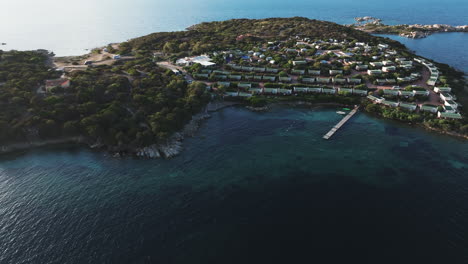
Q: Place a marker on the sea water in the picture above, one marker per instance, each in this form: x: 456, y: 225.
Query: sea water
x: 248, y: 188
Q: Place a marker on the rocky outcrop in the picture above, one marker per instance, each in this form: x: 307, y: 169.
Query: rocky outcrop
x: 174, y: 145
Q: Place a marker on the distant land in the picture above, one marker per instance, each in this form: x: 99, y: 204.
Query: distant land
x: 375, y: 26
x: 143, y: 96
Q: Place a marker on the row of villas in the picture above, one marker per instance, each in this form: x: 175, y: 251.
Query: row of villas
x: 295, y: 90
x: 413, y: 107
x: 405, y: 93
x: 449, y: 99
x: 432, y: 69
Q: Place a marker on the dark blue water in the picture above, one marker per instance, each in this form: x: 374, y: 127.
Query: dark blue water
x: 449, y: 48
x: 249, y: 188
x: 68, y: 28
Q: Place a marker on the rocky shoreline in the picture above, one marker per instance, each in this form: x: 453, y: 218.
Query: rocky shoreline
x: 375, y: 26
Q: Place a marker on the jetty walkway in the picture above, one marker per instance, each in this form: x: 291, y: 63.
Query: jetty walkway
x: 341, y: 123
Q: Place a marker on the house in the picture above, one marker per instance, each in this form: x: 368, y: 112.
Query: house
x: 391, y: 103
x: 421, y: 92
x: 307, y: 90
x: 258, y: 69
x: 314, y: 72
x: 361, y: 92
x: 374, y: 72
x: 404, y: 79
x: 387, y: 63
x: 270, y: 90
x: 308, y: 80
x: 375, y: 99
x: 338, y: 80
x: 235, y: 77
x: 404, y: 62
x: 420, y: 60
x: 62, y: 83
x: 388, y: 68
x: 290, y: 50
x: 271, y: 70
x: 345, y: 90
x: 447, y: 115
x: 245, y: 85
x: 406, y: 67
x: 302, y: 62
x: 258, y: 77
x: 298, y: 72
x: 220, y: 77
x: 362, y: 67
x: 408, y: 106
x: 335, y: 72
x: 451, y: 103
x: 429, y: 108
x: 323, y: 80
x: 406, y: 93
x: 221, y: 72
x: 354, y: 80
x: 231, y: 94
x: 376, y: 64
x: 269, y: 78
x: 447, y: 96
x: 285, y: 91
x: 201, y: 76
x: 328, y: 90
x: 255, y: 90
x: 442, y: 89
x: 449, y: 109
x: 382, y: 46
x: 244, y: 94
x: 391, y: 92
x: 432, y: 81
x: 225, y: 84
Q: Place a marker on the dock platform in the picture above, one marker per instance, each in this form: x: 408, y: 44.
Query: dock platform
x: 341, y: 123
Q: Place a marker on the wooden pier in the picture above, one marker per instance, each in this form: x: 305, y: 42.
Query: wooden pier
x: 341, y: 123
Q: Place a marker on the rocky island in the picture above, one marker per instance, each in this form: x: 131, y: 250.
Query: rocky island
x: 143, y: 96
x: 375, y: 26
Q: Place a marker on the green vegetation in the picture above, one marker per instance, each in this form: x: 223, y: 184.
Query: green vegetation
x: 424, y: 118
x: 244, y: 34
x: 103, y: 103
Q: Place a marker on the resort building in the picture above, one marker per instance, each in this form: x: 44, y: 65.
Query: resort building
x: 442, y: 89
x: 374, y: 72
x: 388, y: 68
x: 407, y: 106
x: 447, y: 115
x: 429, y: 108
x: 362, y: 67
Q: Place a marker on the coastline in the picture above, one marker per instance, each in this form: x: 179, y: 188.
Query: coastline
x: 174, y: 145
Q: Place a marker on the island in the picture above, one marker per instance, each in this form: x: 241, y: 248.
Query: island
x: 375, y: 26
x: 143, y: 96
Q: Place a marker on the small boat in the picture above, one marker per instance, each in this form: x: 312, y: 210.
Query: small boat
x: 341, y: 112
x: 346, y: 109
x: 3, y: 43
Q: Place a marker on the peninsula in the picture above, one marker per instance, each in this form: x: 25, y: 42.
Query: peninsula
x: 375, y: 26
x: 141, y: 97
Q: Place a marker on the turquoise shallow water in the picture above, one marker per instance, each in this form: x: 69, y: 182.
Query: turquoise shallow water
x: 249, y: 188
